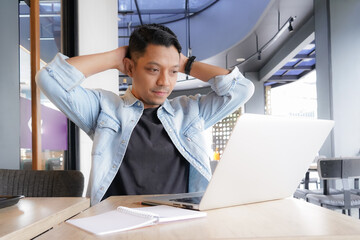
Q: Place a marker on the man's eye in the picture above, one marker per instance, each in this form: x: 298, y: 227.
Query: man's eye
x: 153, y: 69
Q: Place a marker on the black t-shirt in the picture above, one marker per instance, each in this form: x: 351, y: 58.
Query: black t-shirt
x: 152, y: 164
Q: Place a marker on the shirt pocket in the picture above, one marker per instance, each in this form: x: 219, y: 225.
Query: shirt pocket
x: 105, y: 134
x: 194, y: 137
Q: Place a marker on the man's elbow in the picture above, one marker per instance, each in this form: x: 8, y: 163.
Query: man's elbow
x: 250, y: 90
x: 41, y: 78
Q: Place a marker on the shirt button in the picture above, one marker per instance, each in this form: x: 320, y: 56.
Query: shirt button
x: 189, y: 139
x: 114, y: 166
x: 138, y: 104
x: 102, y: 188
x: 122, y: 142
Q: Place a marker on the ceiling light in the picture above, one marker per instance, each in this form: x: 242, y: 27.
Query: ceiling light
x: 240, y: 59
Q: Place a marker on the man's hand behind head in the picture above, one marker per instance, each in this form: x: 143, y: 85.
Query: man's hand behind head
x: 121, y: 54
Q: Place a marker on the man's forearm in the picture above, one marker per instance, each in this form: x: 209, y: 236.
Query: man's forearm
x: 202, y: 71
x: 205, y: 72
x: 95, y: 63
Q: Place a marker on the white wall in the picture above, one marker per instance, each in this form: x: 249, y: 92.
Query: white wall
x: 337, y: 35
x: 256, y: 104
x: 9, y: 85
x: 323, y: 71
x: 98, y: 32
x: 345, y: 55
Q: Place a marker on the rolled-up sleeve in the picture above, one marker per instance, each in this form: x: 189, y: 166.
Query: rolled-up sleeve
x: 60, y: 82
x: 229, y: 93
x: 65, y: 74
x: 223, y: 84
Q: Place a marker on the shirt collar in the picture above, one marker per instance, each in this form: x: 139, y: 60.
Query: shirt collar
x: 130, y: 99
x: 167, y: 106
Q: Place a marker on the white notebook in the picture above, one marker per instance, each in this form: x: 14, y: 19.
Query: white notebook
x: 123, y: 218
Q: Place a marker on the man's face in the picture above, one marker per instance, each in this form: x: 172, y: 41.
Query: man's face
x: 154, y: 74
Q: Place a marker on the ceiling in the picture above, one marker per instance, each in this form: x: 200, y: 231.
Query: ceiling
x: 219, y: 32
x: 255, y: 40
x: 137, y: 12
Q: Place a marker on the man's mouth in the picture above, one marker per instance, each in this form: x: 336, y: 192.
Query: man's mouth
x: 160, y: 92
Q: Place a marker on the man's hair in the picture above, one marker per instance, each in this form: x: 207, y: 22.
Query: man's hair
x: 147, y: 34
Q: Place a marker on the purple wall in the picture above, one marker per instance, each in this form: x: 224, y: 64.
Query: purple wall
x: 53, y: 127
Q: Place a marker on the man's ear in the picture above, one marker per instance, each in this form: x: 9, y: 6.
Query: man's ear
x: 129, y: 66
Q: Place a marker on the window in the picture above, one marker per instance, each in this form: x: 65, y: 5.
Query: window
x: 53, y: 122
x: 297, y: 99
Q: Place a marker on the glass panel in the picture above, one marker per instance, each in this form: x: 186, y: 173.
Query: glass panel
x: 307, y: 62
x: 298, y: 99
x: 160, y: 4
x: 168, y: 5
x: 292, y: 62
x: 279, y: 72
x: 53, y: 122
x: 308, y: 49
x: 294, y: 72
x: 157, y: 11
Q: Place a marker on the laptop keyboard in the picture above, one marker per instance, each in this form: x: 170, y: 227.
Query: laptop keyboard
x: 193, y: 200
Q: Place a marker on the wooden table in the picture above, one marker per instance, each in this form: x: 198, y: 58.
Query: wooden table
x: 280, y: 219
x: 33, y: 216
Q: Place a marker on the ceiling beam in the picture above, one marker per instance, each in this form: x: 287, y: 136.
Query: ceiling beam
x: 290, y: 77
x: 174, y: 13
x: 305, y: 56
x: 138, y: 11
x: 286, y: 78
x: 159, y: 11
x: 297, y: 68
x: 170, y: 11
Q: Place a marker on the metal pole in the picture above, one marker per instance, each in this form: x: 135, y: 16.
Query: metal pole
x: 35, y: 91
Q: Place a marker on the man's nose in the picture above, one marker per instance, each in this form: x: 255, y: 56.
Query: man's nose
x: 163, y: 80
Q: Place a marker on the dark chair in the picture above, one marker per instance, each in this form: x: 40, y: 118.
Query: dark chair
x: 356, y: 189
x: 38, y: 183
x: 344, y: 169
x: 307, y: 181
x: 302, y: 193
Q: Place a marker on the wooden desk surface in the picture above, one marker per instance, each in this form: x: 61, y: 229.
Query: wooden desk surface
x: 33, y: 216
x: 284, y: 219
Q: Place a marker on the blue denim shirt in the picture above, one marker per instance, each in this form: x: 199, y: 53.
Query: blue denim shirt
x: 109, y: 120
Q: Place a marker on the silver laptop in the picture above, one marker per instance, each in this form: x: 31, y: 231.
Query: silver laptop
x: 265, y: 159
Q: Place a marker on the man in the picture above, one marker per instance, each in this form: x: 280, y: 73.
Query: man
x: 144, y: 143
